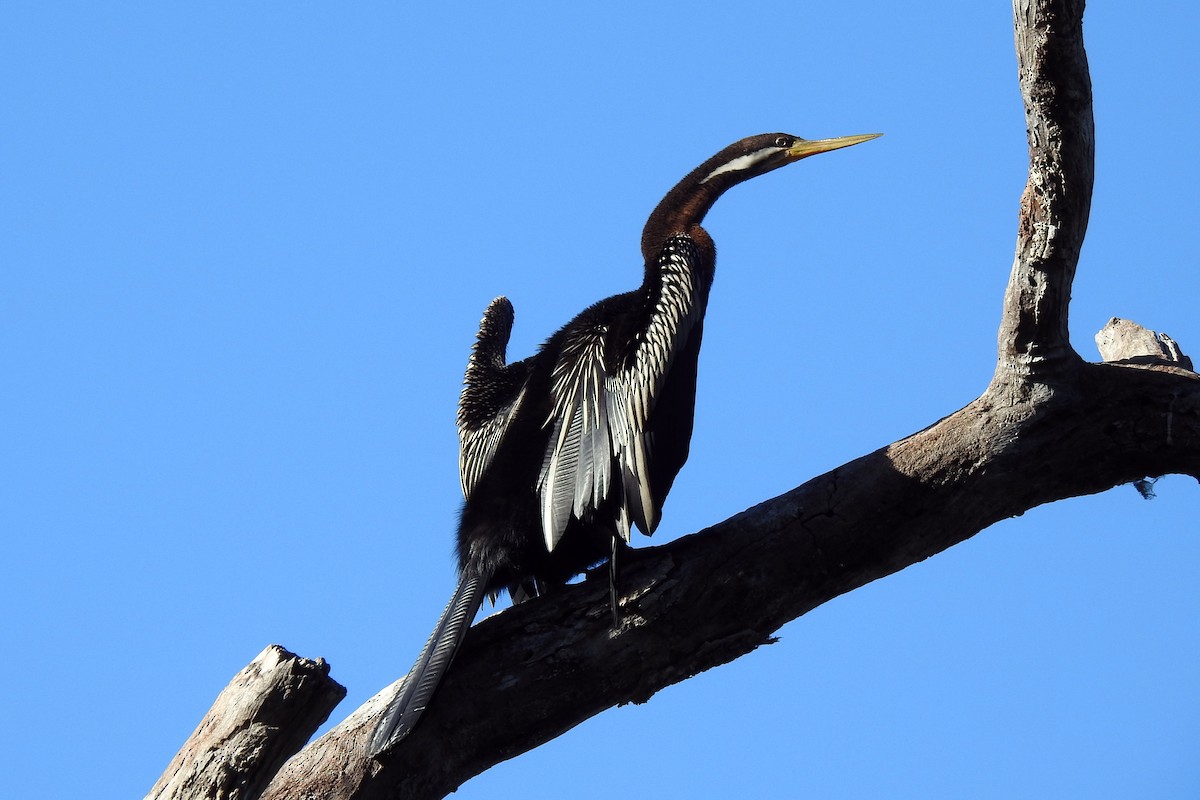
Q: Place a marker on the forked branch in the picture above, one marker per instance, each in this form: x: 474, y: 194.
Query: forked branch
x: 1049, y: 427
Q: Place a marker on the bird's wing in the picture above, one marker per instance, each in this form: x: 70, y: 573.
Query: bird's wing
x: 602, y: 404
x: 492, y: 393
x: 575, y: 472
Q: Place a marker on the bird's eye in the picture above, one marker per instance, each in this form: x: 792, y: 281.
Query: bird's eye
x: 783, y: 141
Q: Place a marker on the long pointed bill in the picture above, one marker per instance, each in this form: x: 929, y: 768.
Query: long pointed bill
x: 805, y: 147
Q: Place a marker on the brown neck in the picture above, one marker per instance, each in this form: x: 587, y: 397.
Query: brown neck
x: 680, y: 211
x: 684, y: 206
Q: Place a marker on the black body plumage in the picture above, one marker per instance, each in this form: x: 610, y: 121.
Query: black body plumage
x: 561, y: 454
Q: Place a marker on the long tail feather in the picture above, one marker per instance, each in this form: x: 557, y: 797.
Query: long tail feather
x: 406, y: 708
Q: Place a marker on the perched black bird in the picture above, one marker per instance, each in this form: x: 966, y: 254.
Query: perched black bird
x: 560, y: 454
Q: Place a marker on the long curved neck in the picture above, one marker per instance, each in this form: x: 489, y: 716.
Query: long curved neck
x: 680, y: 211
x: 683, y: 208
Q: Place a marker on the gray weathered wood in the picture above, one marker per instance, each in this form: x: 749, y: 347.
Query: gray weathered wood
x: 711, y: 597
x: 266, y: 713
x: 1125, y: 340
x: 1049, y: 426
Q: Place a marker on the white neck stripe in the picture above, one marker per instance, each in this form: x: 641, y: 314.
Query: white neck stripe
x: 743, y: 162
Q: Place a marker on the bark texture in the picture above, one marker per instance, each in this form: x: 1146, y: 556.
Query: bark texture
x: 1049, y: 426
x: 1122, y: 340
x: 266, y: 713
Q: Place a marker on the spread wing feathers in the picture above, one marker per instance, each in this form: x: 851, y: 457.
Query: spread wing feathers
x: 576, y: 473
x: 603, y: 402
x: 406, y: 707
x: 492, y: 393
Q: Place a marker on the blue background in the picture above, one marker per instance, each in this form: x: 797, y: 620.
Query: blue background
x: 245, y: 252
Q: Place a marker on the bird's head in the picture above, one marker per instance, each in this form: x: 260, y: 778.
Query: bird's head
x: 684, y: 206
x: 756, y: 155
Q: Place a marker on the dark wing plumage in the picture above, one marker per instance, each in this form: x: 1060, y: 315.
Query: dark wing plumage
x: 603, y: 401
x: 491, y: 396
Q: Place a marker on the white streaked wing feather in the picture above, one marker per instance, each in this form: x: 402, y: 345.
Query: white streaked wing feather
x: 579, y: 453
x: 599, y: 418
x: 491, y: 397
x: 631, y: 393
x: 477, y: 445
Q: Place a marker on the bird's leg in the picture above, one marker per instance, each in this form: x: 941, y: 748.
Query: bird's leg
x: 612, y: 581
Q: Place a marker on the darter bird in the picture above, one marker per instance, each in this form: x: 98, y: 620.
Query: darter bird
x: 561, y: 454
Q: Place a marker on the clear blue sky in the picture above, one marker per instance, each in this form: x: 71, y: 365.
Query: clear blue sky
x: 245, y: 252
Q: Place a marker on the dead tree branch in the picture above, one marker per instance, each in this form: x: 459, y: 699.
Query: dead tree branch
x: 1050, y: 426
x: 1057, y: 91
x: 266, y: 713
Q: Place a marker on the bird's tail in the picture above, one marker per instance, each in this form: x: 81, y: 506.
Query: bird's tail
x: 406, y: 708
